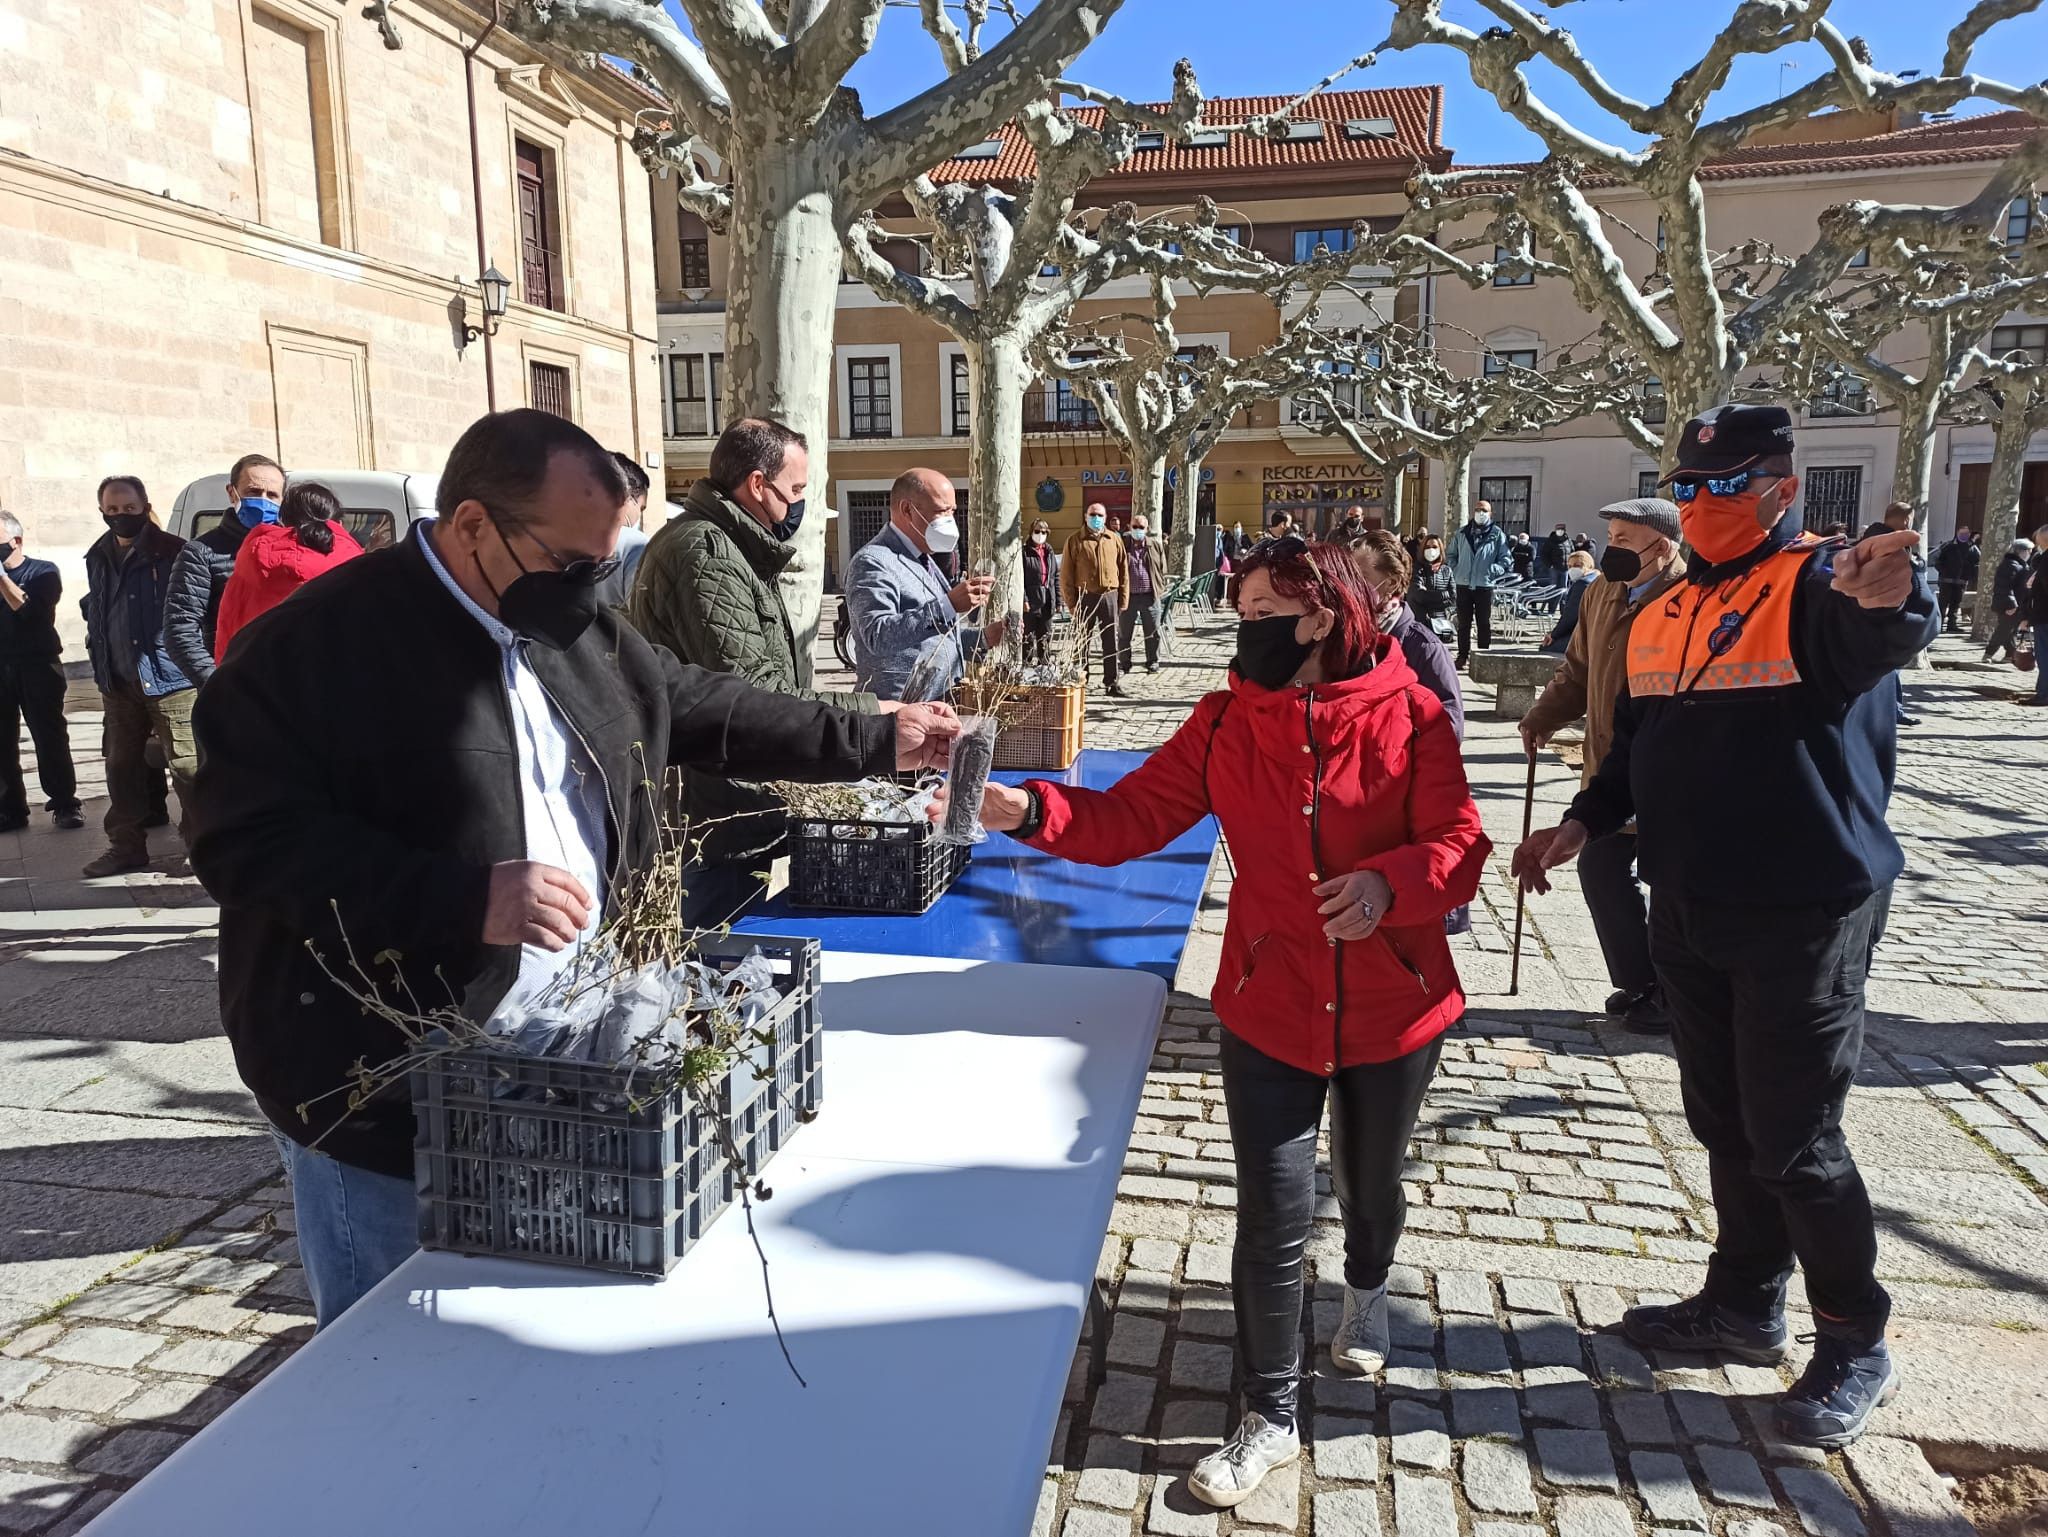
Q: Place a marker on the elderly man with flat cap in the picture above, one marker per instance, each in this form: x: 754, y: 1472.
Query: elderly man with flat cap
x: 1754, y: 745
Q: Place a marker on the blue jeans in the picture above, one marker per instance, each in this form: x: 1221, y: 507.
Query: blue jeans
x: 2040, y: 677
x: 355, y: 1227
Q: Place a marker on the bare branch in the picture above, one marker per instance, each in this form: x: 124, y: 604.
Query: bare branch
x: 645, y: 34
x: 830, y: 37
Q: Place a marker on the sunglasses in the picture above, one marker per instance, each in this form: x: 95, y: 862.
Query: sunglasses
x: 578, y: 571
x: 1733, y: 484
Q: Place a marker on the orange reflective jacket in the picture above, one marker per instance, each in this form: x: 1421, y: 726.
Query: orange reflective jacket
x: 1736, y: 634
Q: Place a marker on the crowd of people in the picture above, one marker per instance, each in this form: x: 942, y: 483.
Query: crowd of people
x: 1736, y: 674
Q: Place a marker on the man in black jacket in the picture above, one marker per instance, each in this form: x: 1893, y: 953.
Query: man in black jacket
x: 1754, y: 746
x: 443, y: 761
x: 2008, y: 587
x: 32, y: 684
x: 1955, y: 569
x: 255, y: 492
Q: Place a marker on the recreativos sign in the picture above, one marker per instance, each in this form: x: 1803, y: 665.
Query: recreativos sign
x: 1369, y: 472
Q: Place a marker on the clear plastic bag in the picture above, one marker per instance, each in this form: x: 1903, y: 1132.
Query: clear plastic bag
x: 974, y: 756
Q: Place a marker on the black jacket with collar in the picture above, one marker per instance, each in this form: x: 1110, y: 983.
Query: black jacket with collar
x: 358, y: 779
x: 192, y: 606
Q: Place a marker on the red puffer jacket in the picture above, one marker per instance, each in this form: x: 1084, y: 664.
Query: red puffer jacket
x: 270, y: 566
x: 1310, y: 783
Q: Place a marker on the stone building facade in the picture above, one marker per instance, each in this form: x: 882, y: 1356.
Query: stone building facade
x: 232, y: 226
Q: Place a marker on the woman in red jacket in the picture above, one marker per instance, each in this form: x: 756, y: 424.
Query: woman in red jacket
x: 1337, y: 780
x: 277, y: 559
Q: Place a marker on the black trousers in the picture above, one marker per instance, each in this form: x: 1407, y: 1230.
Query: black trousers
x: 34, y: 692
x: 1767, y: 1010
x: 1275, y: 1112
x: 2003, y: 634
x: 1952, y: 604
x: 1607, y: 876
x: 1474, y: 603
x: 1098, y: 613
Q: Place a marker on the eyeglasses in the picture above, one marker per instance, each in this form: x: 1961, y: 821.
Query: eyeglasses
x: 577, y: 571
x: 1733, y: 484
x: 1286, y: 547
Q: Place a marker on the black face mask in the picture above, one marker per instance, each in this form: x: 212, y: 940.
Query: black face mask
x: 792, y: 521
x: 1619, y: 565
x: 127, y: 525
x: 1267, y: 652
x: 544, y: 606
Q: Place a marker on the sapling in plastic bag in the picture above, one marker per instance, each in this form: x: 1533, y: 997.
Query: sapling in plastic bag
x: 633, y: 1013
x: 974, y: 755
x: 932, y: 672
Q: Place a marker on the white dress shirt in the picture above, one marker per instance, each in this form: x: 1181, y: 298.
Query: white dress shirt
x: 561, y: 792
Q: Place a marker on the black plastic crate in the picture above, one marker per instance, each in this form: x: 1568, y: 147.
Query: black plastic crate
x: 572, y: 1163
x: 870, y: 867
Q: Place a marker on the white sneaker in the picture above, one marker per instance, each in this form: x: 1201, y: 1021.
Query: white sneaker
x: 1360, y: 1344
x: 1228, y: 1477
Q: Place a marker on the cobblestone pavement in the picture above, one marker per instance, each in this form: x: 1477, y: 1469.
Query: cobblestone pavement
x: 1552, y: 1184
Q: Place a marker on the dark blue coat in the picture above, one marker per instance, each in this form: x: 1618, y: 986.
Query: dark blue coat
x: 141, y: 585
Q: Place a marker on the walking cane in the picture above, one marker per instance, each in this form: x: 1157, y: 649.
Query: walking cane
x: 1521, y: 894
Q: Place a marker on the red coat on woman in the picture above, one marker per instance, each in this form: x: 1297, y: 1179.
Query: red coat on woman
x: 1310, y: 783
x: 270, y: 566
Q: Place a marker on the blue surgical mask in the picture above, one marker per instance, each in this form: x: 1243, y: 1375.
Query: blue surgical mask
x: 256, y: 509
x: 1095, y: 525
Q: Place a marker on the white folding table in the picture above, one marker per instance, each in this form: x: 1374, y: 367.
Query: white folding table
x: 932, y: 1241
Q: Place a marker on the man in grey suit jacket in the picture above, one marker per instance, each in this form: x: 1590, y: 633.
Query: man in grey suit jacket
x: 901, y: 603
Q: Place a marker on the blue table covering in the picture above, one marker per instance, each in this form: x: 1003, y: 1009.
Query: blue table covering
x: 1014, y: 903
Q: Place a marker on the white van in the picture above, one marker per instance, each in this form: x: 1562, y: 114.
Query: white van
x: 378, y: 507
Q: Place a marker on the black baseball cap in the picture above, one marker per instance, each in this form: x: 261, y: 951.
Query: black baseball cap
x: 1729, y: 438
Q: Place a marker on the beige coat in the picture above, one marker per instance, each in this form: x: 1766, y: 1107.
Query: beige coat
x: 1095, y: 563
x: 1595, y: 666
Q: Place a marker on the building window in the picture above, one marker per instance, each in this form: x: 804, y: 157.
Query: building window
x: 1150, y: 140
x: 1208, y: 138
x: 693, y: 384
x: 1073, y: 409
x: 987, y: 149
x: 1341, y: 238
x: 1305, y: 132
x: 1833, y: 496
x: 1843, y: 395
x: 2020, y: 342
x: 868, y: 391
x: 961, y: 422
x: 695, y: 249
x: 1646, y: 484
x: 1369, y: 128
x: 1861, y: 258
x: 1500, y: 359
x: 1660, y: 232
x: 866, y: 513
x: 1509, y: 496
x: 1509, y: 279
x: 2019, y: 220
x: 548, y: 388
x: 290, y: 95
x: 1651, y: 402
x: 540, y: 234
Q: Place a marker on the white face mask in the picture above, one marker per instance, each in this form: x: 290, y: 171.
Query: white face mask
x: 1482, y: 517
x: 942, y: 535
x: 1038, y: 539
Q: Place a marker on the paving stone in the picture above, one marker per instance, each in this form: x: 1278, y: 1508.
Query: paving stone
x: 177, y: 1403
x: 1209, y: 1262
x: 123, y: 1302
x: 78, y: 1517
x: 1824, y: 1510
x: 1572, y: 1404
x: 1545, y: 1340
x: 17, y: 1377
x: 1345, y: 1449
x: 208, y: 1314
x: 1643, y: 1418
x: 1755, y: 1529
x: 215, y: 1358
x: 1154, y: 1254
x: 1704, y: 1415
x: 1583, y: 1515
x: 1175, y: 1512
x: 1587, y: 1235
x: 1746, y: 1380
x: 1410, y: 1376
x: 1640, y: 1219
x: 1526, y: 1296
x: 28, y: 1500
x: 1342, y: 1392
x: 1620, y: 1364
x: 1110, y: 1474
x: 46, y: 1438
x: 1576, y: 1459
x: 1684, y: 1251
x: 1135, y: 1341
x: 86, y: 1392
x: 1347, y: 1513
x: 1763, y: 1422
x: 1276, y: 1502
x: 1418, y: 1435
x: 1144, y: 1291
x: 1423, y: 1507
x: 1666, y: 1488
x: 132, y: 1453
x: 1202, y: 1366
x: 1496, y: 1478
x: 1488, y: 1224
x: 1190, y: 1429
x: 1733, y: 1477
x: 95, y: 1345
x: 1095, y: 1523
x: 1908, y: 1494
x: 1207, y: 1310
x: 1600, y: 1307
x: 1464, y: 1199
x: 1410, y: 1324
x: 1133, y: 1219
x: 1552, y: 1208
x: 1123, y: 1403
x: 1407, y: 1281
x: 1506, y: 1529
x: 1485, y: 1411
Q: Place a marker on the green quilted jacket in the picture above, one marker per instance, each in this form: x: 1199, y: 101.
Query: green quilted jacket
x: 708, y: 592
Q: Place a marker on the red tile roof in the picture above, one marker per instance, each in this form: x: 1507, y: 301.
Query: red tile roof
x: 1416, y: 112
x: 1965, y: 141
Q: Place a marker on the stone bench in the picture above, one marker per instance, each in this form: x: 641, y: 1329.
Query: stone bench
x: 1517, y: 678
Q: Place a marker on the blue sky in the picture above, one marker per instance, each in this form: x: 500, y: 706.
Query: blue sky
x: 1252, y: 47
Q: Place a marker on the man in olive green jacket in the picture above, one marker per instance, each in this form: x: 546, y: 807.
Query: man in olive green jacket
x: 707, y: 591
